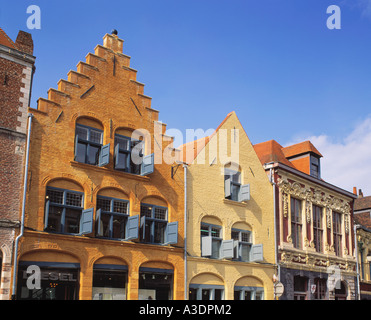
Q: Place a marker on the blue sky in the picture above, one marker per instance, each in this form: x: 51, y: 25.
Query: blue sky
x: 274, y: 62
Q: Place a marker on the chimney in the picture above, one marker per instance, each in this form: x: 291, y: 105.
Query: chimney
x: 360, y: 194
x: 113, y: 42
x: 355, y: 190
x: 24, y: 42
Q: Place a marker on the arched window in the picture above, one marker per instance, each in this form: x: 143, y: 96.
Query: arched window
x: 233, y: 188
x: 89, y: 146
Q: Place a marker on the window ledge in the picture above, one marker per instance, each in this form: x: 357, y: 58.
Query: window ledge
x: 236, y: 203
x: 109, y: 171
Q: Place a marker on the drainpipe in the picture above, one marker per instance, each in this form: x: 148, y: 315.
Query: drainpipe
x: 15, y: 263
x: 356, y: 226
x: 185, y: 231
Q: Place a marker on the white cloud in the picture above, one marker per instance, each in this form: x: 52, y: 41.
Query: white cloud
x: 346, y: 164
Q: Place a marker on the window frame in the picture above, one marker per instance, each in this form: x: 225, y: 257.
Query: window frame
x: 153, y: 221
x: 234, y: 185
x: 242, y: 244
x: 337, y: 235
x: 218, y: 240
x: 128, y: 154
x: 296, y: 224
x: 254, y: 292
x: 64, y: 206
x: 210, y: 287
x: 318, y: 228
x: 88, y: 143
x: 112, y: 214
x: 315, y: 167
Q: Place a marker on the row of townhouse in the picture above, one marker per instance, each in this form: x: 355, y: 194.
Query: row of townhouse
x: 109, y: 209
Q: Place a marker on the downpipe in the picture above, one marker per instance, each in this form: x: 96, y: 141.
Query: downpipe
x: 16, y: 245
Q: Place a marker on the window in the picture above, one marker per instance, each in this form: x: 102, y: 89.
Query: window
x: 112, y: 217
x: 154, y: 227
x: 317, y: 228
x: 248, y: 293
x: 63, y: 210
x: 155, y: 284
x: 129, y: 156
x: 124, y: 147
x: 315, y: 167
x: 296, y: 223
x: 336, y: 229
x: 232, y: 186
x: 89, y: 146
x: 300, y: 288
x: 321, y: 285
x: 206, y: 292
x: 243, y: 244
x: 109, y: 282
x: 211, y: 240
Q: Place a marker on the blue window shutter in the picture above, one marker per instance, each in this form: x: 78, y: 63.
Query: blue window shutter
x: 256, y: 253
x: 148, y: 165
x: 227, y: 249
x: 172, y: 233
x: 132, y: 228
x: 227, y: 186
x: 143, y: 225
x: 86, y: 221
x: 47, y: 205
x: 99, y: 225
x: 76, y: 146
x: 244, y: 193
x: 206, y: 246
x: 104, y: 155
x: 236, y: 249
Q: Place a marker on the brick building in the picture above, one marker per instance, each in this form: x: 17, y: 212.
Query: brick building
x: 16, y: 73
x: 230, y: 225
x: 104, y: 215
x: 314, y: 223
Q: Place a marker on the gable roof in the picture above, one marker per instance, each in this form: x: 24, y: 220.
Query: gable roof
x: 5, y: 40
x: 299, y: 149
x: 271, y: 151
x: 199, y: 144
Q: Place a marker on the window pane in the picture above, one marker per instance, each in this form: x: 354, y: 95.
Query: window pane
x: 215, y: 232
x: 235, y: 235
x: 247, y: 295
x: 118, y: 227
x: 73, y: 199
x: 109, y: 285
x: 124, y: 143
x: 81, y: 152
x: 96, y: 136
x: 218, y: 294
x: 245, y: 236
x: 160, y: 213
x: 192, y: 294
x: 205, y: 294
x: 55, y: 196
x: 146, y: 211
x: 82, y: 132
x: 72, y: 221
x: 105, y: 225
x: 204, y: 230
x: 93, y: 155
x: 159, y: 232
x: 104, y: 204
x: 54, y: 219
x: 120, y: 207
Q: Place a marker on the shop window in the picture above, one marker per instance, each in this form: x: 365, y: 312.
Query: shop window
x: 336, y: 232
x: 113, y: 220
x: 64, y: 212
x: 317, y: 228
x: 59, y: 281
x: 233, y: 188
x: 109, y: 282
x: 129, y: 156
x: 154, y: 225
x: 248, y: 293
x: 300, y: 288
x: 155, y: 284
x: 206, y: 292
x: 341, y: 294
x: 89, y: 146
x: 296, y: 223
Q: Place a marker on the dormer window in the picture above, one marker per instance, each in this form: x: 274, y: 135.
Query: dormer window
x: 315, y: 167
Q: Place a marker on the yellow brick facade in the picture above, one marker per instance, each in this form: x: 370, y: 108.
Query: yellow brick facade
x: 103, y: 93
x: 206, y: 203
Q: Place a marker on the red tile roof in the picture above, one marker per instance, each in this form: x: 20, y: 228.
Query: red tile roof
x: 5, y: 40
x: 300, y: 148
